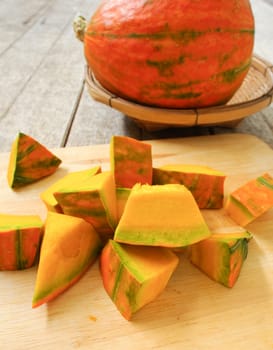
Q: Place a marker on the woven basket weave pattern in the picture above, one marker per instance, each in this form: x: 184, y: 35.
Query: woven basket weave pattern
x: 255, y: 93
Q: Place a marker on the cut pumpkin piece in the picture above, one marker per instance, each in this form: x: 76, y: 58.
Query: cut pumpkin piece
x: 65, y: 182
x: 221, y: 256
x: 29, y: 161
x: 130, y: 161
x: 251, y: 200
x: 94, y: 200
x: 20, y: 238
x: 161, y: 215
x: 134, y: 276
x: 205, y: 183
x: 70, y: 246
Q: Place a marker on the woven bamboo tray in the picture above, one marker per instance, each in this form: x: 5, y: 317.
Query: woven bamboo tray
x: 255, y: 94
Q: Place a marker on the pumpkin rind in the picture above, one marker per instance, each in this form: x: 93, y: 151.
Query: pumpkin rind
x: 205, y: 183
x: 130, y: 161
x: 170, y: 53
x: 20, y: 238
x: 221, y: 256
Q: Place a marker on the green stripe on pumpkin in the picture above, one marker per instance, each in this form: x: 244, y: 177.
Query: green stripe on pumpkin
x: 263, y: 181
x: 231, y: 75
x: 184, y: 36
x: 21, y: 262
x: 117, y: 281
x: 164, y: 67
x: 241, y: 207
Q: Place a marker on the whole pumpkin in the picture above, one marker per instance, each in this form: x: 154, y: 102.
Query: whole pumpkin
x: 171, y: 53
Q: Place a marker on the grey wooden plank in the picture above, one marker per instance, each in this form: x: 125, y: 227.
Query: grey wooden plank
x: 263, y: 14
x: 42, y: 73
x: 16, y: 18
x: 96, y: 122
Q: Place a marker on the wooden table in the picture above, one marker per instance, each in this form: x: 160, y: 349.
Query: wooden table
x: 42, y: 91
x: 192, y: 313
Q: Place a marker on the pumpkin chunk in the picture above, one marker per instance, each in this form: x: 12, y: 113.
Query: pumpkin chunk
x: 134, y: 276
x: 29, y: 161
x: 251, y: 200
x: 93, y: 200
x: 131, y: 161
x: 161, y: 215
x: 222, y: 255
x: 70, y: 179
x: 20, y: 238
x: 70, y: 246
x: 205, y: 183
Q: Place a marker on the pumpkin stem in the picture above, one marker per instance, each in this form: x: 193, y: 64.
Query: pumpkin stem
x: 79, y: 26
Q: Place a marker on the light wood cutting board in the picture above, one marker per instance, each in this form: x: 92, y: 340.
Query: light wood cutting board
x: 193, y: 312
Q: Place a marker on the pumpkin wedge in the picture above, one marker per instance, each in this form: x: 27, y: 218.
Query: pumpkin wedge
x: 29, y: 161
x: 205, y: 183
x: 222, y: 255
x: 130, y: 161
x: 134, y: 276
x: 70, y: 246
x: 161, y: 215
x: 70, y: 179
x: 251, y: 200
x: 20, y: 238
x: 93, y: 200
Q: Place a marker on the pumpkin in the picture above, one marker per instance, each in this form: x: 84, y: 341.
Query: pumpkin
x: 222, y: 255
x: 29, y: 161
x: 94, y: 200
x: 130, y: 161
x: 69, y: 179
x: 250, y: 200
x: 161, y: 215
x: 134, y: 276
x: 171, y: 53
x: 70, y: 246
x: 205, y: 183
x: 20, y: 238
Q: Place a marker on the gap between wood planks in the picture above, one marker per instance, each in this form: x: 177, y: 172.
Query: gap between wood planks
x: 73, y: 115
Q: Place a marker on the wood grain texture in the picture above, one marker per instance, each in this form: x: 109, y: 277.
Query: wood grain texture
x: 193, y: 312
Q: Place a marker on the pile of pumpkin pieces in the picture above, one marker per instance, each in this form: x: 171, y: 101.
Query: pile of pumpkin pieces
x: 134, y: 218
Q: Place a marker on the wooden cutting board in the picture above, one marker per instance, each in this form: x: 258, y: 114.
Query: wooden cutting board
x: 193, y: 312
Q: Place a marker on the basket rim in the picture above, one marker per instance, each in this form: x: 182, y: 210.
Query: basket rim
x: 187, y: 117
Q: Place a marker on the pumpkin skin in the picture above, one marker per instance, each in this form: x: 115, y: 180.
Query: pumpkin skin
x: 130, y: 161
x: 221, y: 256
x: 20, y: 239
x: 170, y: 53
x: 206, y: 184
